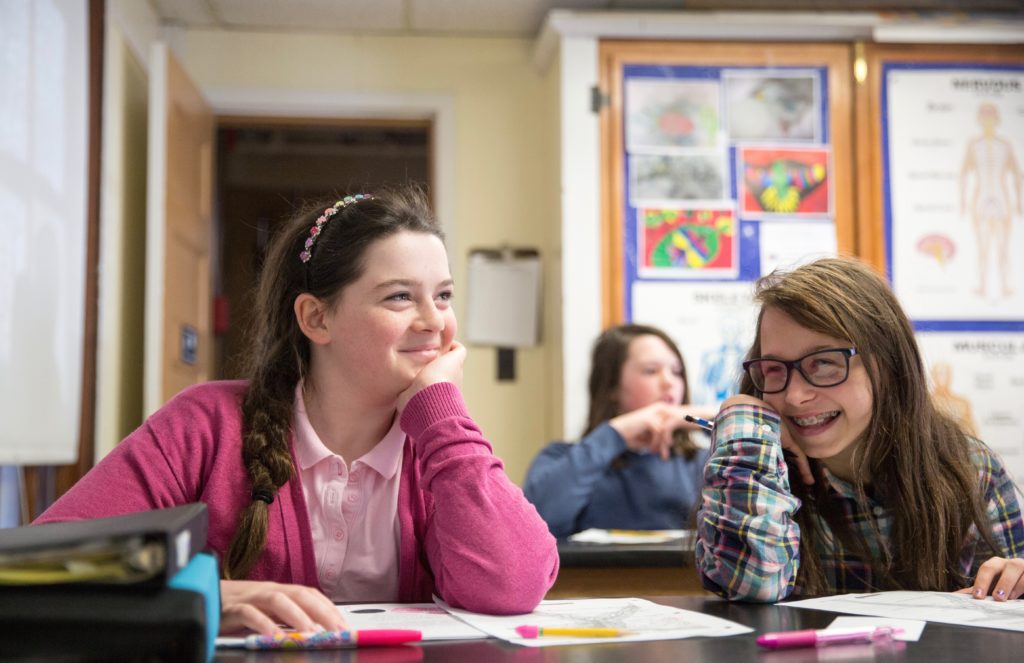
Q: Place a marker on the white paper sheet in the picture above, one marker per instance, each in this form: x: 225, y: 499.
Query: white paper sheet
x: 912, y: 628
x: 940, y: 607
x: 643, y: 619
x: 594, y: 535
x: 431, y: 620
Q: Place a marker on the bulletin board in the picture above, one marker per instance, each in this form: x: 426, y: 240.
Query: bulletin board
x: 721, y: 162
x: 942, y: 131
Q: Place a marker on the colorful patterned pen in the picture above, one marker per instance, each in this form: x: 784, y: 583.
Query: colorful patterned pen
x: 333, y: 639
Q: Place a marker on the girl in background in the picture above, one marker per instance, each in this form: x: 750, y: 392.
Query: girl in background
x: 346, y: 468
x: 636, y: 466
x: 896, y: 496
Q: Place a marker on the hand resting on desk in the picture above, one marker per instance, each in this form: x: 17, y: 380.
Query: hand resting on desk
x: 260, y: 606
x: 1001, y: 577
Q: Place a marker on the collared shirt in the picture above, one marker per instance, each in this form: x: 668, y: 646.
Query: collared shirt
x: 353, y: 512
x: 748, y: 542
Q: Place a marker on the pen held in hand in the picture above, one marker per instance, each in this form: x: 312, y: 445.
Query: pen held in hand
x: 538, y: 631
x: 703, y: 423
x: 333, y: 639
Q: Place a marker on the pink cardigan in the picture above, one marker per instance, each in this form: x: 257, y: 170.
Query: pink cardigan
x: 467, y: 532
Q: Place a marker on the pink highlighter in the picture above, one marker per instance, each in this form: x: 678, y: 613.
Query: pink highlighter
x: 835, y: 636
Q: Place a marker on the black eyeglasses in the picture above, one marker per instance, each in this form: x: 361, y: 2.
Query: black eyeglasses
x: 821, y: 368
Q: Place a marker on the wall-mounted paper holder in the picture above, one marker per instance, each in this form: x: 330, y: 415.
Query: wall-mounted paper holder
x: 503, y: 305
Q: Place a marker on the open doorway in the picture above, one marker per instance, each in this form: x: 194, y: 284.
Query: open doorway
x: 267, y: 169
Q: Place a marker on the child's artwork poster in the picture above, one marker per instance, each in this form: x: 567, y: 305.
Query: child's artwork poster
x: 783, y: 181
x: 978, y: 379
x: 772, y: 105
x: 713, y: 325
x: 691, y: 176
x: 687, y: 243
x: 953, y: 148
x: 672, y: 113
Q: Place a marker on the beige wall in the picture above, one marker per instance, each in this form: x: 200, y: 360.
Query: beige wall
x: 123, y: 244
x: 506, y: 173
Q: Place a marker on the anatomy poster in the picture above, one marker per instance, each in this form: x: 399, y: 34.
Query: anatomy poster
x: 955, y: 141
x: 713, y: 325
x: 979, y: 380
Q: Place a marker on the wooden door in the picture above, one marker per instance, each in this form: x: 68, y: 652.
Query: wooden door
x: 178, y: 337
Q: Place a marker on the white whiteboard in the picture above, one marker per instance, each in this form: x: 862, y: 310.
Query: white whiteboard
x: 43, y: 176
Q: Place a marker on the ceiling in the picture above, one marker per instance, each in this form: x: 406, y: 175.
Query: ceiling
x: 520, y: 18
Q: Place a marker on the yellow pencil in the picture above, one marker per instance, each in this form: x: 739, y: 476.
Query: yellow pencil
x: 537, y: 631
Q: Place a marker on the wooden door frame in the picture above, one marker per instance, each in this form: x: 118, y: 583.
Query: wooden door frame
x: 265, y: 104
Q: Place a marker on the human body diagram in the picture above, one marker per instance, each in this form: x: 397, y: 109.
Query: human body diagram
x: 990, y: 195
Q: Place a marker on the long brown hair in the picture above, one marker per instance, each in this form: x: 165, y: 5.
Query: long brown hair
x: 912, y: 455
x: 611, y: 350
x: 279, y: 353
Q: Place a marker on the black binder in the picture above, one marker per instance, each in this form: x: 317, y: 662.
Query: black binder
x: 141, y: 604
x: 142, y: 549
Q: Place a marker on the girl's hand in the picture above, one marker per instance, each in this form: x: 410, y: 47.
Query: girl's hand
x: 650, y: 428
x: 1001, y: 577
x: 260, y: 606
x: 447, y: 367
x: 803, y: 466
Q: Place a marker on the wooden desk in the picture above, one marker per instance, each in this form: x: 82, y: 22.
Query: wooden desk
x: 611, y: 570
x: 940, y: 643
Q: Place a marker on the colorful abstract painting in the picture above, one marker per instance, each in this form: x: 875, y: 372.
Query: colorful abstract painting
x: 687, y: 243
x: 783, y: 181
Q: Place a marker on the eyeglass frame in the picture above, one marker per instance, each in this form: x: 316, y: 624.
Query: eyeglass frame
x: 795, y: 363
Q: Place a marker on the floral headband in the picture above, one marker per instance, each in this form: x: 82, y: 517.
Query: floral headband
x: 314, y: 232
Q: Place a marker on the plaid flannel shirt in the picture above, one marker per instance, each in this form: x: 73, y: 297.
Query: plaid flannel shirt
x: 748, y: 544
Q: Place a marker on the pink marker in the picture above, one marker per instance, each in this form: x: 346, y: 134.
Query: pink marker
x: 834, y: 636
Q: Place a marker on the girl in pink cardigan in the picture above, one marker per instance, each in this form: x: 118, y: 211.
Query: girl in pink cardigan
x: 346, y: 464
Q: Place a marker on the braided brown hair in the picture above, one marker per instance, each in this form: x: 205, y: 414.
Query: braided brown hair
x: 279, y: 353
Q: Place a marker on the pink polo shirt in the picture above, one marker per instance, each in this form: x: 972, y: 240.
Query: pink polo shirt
x: 353, y: 512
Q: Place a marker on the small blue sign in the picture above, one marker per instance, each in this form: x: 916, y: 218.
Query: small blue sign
x: 189, y: 344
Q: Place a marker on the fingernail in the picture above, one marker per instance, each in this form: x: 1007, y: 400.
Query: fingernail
x: 1000, y: 593
x: 978, y: 592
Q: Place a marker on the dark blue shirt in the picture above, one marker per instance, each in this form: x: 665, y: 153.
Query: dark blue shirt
x: 575, y: 487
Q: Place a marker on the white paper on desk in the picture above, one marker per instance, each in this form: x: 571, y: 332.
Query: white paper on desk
x: 942, y: 607
x: 645, y: 621
x: 594, y: 535
x: 912, y: 628
x: 433, y: 621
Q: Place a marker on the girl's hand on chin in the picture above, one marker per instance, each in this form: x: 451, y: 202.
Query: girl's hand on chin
x: 447, y: 367
x: 803, y: 466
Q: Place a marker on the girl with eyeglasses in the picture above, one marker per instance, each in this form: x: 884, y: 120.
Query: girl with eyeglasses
x: 889, y: 492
